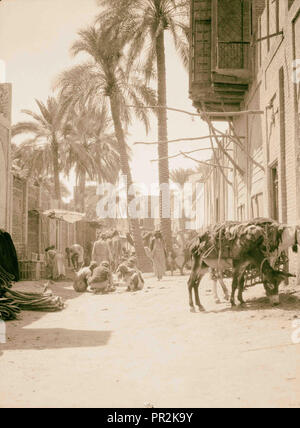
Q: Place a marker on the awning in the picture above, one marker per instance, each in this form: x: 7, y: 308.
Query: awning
x: 68, y: 216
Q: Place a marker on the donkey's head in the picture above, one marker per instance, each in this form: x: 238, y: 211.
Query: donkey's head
x: 271, y: 280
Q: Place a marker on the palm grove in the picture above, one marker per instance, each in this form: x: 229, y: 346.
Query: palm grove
x: 83, y: 126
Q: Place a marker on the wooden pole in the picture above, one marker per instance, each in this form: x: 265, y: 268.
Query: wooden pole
x: 180, y: 153
x: 213, y: 131
x: 210, y: 113
x: 177, y: 140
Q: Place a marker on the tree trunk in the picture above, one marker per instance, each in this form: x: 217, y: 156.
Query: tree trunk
x: 56, y: 170
x: 144, y: 262
x: 81, y: 188
x: 162, y: 138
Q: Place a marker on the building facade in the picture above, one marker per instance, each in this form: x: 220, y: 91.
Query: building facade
x: 32, y: 231
x: 244, y: 58
x: 5, y: 137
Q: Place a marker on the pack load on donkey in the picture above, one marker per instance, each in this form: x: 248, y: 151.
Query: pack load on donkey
x: 231, y: 239
x: 250, y: 251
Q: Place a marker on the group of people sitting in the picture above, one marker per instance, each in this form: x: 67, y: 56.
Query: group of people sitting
x: 99, y: 278
x: 108, y: 265
x: 110, y: 262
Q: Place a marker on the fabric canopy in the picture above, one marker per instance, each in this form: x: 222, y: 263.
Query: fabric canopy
x: 68, y: 216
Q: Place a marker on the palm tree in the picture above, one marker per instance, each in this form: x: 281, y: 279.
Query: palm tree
x: 147, y: 21
x: 90, y: 149
x: 43, y: 147
x: 181, y: 176
x: 107, y: 76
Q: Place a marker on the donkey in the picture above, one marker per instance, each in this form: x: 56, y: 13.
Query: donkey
x: 241, y: 256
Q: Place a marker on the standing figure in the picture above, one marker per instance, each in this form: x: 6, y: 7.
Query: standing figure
x: 101, y: 251
x: 158, y: 251
x: 55, y: 266
x: 59, y: 270
x: 50, y: 254
x: 68, y: 256
x: 116, y: 250
x: 76, y: 254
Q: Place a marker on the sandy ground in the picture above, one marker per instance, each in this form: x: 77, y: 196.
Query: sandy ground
x: 129, y: 349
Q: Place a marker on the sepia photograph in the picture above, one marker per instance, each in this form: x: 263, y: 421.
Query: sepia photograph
x: 150, y: 206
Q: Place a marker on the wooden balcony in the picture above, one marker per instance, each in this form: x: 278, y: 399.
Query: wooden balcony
x: 219, y: 66
x: 233, y: 55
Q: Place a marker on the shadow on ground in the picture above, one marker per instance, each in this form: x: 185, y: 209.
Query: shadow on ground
x: 20, y: 337
x: 56, y: 338
x: 288, y: 302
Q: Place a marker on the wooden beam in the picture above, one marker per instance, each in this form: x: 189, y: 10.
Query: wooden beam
x: 179, y: 154
x: 175, y: 141
x: 218, y: 162
x: 239, y: 143
x: 213, y: 130
x: 209, y: 113
x: 203, y: 162
x: 261, y: 39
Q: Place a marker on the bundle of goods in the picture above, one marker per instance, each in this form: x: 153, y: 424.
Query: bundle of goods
x: 5, y: 279
x: 12, y: 302
x: 230, y: 240
x: 42, y: 302
x: 8, y: 309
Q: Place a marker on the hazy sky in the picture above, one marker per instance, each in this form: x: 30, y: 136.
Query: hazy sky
x: 35, y: 37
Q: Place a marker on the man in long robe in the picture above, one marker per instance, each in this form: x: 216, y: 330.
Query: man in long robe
x: 101, y: 251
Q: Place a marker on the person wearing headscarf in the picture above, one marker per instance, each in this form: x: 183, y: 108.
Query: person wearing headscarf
x: 54, y: 264
x: 101, y: 279
x: 50, y: 254
x: 131, y: 276
x: 158, y: 252
x: 82, y: 276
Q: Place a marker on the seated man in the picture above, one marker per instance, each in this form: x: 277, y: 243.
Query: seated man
x: 101, y: 279
x: 82, y: 276
x: 132, y: 277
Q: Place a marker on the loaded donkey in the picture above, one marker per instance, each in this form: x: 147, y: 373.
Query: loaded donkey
x: 237, y: 246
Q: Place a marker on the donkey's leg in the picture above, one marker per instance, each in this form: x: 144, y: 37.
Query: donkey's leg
x: 215, y: 291
x: 196, y: 291
x: 193, y: 280
x: 241, y: 289
x: 203, y: 269
x: 241, y: 280
x: 233, y: 288
x: 223, y: 285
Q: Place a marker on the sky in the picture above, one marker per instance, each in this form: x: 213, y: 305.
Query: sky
x: 35, y: 40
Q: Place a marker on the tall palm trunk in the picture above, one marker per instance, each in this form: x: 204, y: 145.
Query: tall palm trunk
x: 144, y: 262
x: 81, y: 188
x: 56, y: 170
x: 163, y: 137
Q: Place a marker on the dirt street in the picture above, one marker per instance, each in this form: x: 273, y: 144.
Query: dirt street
x: 130, y: 349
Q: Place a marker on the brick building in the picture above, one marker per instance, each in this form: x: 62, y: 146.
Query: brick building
x: 5, y: 126
x: 243, y: 56
x: 33, y: 231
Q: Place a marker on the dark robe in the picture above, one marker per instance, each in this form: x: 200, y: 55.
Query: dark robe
x: 8, y: 255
